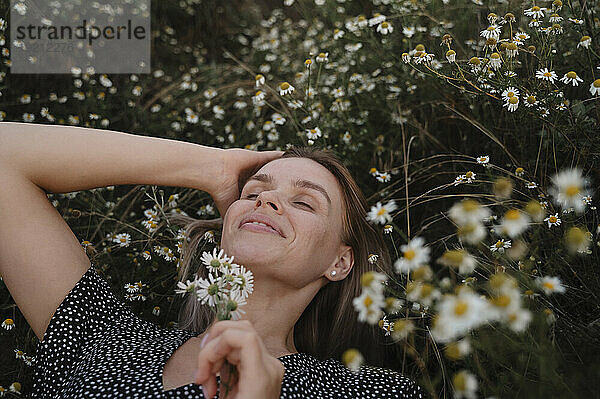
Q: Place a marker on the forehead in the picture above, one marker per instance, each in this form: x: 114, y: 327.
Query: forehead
x: 289, y: 170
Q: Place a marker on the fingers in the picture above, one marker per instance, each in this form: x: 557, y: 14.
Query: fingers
x: 232, y: 345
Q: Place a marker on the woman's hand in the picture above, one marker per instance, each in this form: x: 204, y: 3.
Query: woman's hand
x: 259, y: 374
x: 236, y: 165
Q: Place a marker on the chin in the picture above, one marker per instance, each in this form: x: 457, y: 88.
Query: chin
x: 249, y: 252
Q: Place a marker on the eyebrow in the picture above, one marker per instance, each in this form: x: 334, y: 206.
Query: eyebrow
x: 266, y: 178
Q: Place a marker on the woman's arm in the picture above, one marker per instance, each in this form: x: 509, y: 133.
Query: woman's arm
x: 63, y: 159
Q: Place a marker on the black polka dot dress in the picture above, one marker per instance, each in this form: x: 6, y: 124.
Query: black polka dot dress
x: 95, y: 347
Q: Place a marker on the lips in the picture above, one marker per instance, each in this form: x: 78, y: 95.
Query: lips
x: 262, y: 219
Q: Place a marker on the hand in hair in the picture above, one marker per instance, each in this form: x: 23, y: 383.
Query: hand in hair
x: 260, y: 374
x: 237, y: 165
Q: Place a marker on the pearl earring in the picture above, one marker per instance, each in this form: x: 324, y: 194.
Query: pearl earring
x: 333, y: 273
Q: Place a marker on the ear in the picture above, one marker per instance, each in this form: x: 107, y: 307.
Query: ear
x: 346, y: 260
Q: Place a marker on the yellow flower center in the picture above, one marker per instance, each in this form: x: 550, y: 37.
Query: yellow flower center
x: 520, y: 170
x: 284, y: 86
x: 367, y: 279
x: 454, y: 257
x: 308, y: 61
x: 531, y: 99
x: 410, y: 254
x: 460, y: 382
x: 469, y: 205
x: 529, y: 292
x: 549, y: 285
x: 572, y: 191
x: 491, y: 28
x: 547, y: 74
x: 384, y: 25
x: 511, y: 46
x: 495, y: 56
x: 513, y: 100
x: 535, y: 8
x: 350, y: 356
x: 501, y: 301
x: 475, y: 61
x: 460, y: 308
x: 596, y: 83
x: 512, y: 214
x: 585, y: 38
x: 9, y: 322
x: 420, y: 47
x: 381, y: 212
x: 469, y: 175
x: 368, y: 301
x: 499, y: 244
x: 553, y: 219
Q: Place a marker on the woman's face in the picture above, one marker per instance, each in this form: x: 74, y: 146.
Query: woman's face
x: 308, y: 216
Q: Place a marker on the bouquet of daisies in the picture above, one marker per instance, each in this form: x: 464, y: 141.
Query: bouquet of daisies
x: 225, y: 291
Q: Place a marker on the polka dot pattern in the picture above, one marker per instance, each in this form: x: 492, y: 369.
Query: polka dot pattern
x: 95, y: 347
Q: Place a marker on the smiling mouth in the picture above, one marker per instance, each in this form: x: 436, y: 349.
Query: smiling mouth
x: 259, y: 227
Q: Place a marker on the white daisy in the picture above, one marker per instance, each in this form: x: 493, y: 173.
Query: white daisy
x: 414, y: 254
x: 553, y: 220
x: 214, y: 260
x: 550, y: 285
x: 595, y: 87
x: 381, y: 214
x: 571, y: 77
x: 285, y: 88
x: 568, y: 188
x: 514, y: 223
x: 211, y: 291
x: 535, y: 12
x: 500, y: 245
x: 245, y: 283
x: 234, y: 303
x: 468, y: 211
x: 545, y: 74
x: 368, y: 305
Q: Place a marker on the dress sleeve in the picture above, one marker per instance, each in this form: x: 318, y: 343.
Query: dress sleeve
x: 88, y: 312
x: 331, y: 379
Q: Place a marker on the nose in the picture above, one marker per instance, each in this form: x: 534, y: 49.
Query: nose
x: 268, y: 198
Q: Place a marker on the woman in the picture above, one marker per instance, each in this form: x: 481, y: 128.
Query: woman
x: 306, y: 266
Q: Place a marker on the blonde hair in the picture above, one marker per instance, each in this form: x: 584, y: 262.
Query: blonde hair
x: 329, y: 325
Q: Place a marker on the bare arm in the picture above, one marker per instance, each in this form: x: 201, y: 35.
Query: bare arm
x: 62, y: 159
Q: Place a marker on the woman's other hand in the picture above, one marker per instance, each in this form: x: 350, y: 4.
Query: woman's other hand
x: 259, y: 373
x: 237, y: 165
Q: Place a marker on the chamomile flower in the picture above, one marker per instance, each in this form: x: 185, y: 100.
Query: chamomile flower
x: 182, y: 288
x: 510, y: 92
x: 521, y: 36
x: 550, y: 285
x: 460, y: 259
x: 313, y: 133
x: 322, y: 57
x: 514, y: 223
x: 381, y: 214
x: 383, y: 177
x: 215, y: 260
x: 468, y: 211
x: 387, y: 229
x: 535, y: 12
x: 414, y: 254
x: 465, y: 385
x: 373, y: 281
x: 353, y: 359
x: 571, y: 77
x: 234, y: 302
x: 384, y: 28
x: 368, y: 305
x: 547, y: 75
x: 211, y: 291
x: 584, y: 42
x: 493, y: 31
x: 260, y: 80
x: 244, y: 283
x: 595, y: 87
x: 500, y: 245
x: 568, y: 187
x: 495, y: 61
x: 530, y: 100
x: 285, y: 88
x: 372, y: 258
x: 553, y: 220
x: 483, y: 160
x: 512, y: 104
x: 8, y: 324
x: 458, y: 314
x: 451, y: 55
